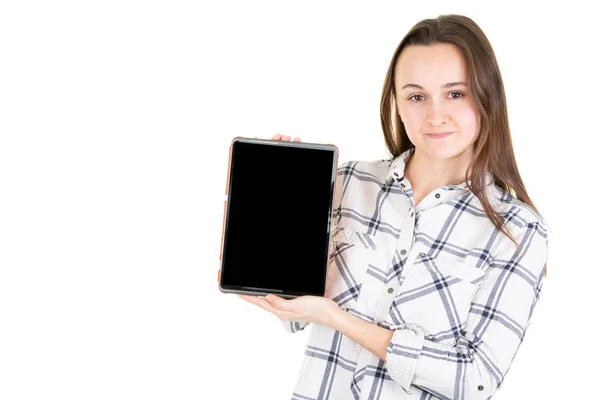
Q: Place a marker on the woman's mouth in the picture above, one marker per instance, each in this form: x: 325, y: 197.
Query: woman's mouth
x: 438, y: 135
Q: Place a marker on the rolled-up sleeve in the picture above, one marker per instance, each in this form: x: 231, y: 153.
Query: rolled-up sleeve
x: 403, y: 354
x: 500, y: 313
x: 293, y: 326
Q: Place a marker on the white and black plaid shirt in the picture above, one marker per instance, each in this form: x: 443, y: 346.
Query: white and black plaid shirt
x: 454, y: 290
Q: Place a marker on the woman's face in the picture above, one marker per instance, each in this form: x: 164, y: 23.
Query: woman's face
x: 432, y: 97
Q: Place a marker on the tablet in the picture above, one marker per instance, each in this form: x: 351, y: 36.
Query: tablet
x: 277, y: 219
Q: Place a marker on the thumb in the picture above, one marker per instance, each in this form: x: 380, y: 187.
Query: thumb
x: 276, y: 301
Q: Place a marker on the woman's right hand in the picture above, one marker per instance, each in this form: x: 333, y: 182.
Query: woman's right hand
x: 284, y: 138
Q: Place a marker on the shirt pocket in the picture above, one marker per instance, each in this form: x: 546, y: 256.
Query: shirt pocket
x: 436, y: 295
x: 351, y: 254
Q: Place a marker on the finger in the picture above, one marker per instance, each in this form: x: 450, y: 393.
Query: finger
x: 276, y: 137
x: 274, y: 299
x: 280, y: 303
x: 260, y: 302
x: 286, y: 138
x: 296, y: 139
x: 268, y: 306
x: 254, y: 300
x: 283, y: 315
x: 249, y: 299
x: 286, y: 313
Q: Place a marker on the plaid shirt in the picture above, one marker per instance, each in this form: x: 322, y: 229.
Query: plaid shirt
x: 454, y: 289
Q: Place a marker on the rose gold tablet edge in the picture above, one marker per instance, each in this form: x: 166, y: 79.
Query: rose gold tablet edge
x: 225, y: 212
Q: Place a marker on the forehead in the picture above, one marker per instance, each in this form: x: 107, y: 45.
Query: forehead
x: 430, y: 66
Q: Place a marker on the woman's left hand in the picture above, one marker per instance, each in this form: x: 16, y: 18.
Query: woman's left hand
x: 315, y: 309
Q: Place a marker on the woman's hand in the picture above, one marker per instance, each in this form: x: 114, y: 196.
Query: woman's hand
x: 301, y: 309
x: 315, y: 309
x: 284, y: 138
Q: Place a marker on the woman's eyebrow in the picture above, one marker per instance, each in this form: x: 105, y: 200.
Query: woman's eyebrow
x: 446, y: 86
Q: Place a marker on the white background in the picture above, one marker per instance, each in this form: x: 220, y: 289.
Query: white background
x: 115, y: 121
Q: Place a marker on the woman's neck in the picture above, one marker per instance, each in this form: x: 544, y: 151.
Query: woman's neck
x: 427, y: 174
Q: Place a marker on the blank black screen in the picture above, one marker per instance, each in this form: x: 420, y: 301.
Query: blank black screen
x: 277, y: 225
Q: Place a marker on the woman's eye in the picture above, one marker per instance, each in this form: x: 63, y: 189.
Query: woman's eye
x: 416, y: 98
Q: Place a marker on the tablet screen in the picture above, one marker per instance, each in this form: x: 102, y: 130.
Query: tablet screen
x: 278, y: 219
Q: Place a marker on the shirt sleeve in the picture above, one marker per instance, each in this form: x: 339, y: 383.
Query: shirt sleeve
x: 293, y: 326
x: 501, y: 309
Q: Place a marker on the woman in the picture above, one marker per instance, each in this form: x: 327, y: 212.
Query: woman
x: 438, y: 253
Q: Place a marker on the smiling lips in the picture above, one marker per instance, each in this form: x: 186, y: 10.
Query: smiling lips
x: 438, y: 135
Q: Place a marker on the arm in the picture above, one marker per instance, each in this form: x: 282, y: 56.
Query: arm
x: 500, y: 314
x: 370, y: 336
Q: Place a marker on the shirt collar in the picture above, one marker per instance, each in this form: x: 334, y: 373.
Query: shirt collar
x: 396, y: 172
x: 398, y: 164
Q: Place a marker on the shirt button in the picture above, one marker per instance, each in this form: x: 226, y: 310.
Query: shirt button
x: 395, y: 174
x: 403, y: 185
x: 391, y: 290
x: 437, y: 195
x: 403, y: 252
x: 480, y: 388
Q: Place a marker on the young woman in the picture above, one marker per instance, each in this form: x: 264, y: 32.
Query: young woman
x: 438, y: 253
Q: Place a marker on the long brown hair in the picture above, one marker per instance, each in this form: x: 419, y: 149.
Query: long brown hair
x: 493, y: 149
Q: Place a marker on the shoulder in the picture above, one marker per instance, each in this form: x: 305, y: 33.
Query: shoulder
x: 520, y: 218
x: 377, y: 169
x: 519, y: 211
x: 530, y: 252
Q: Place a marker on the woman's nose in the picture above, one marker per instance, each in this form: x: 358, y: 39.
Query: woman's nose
x: 437, y: 114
